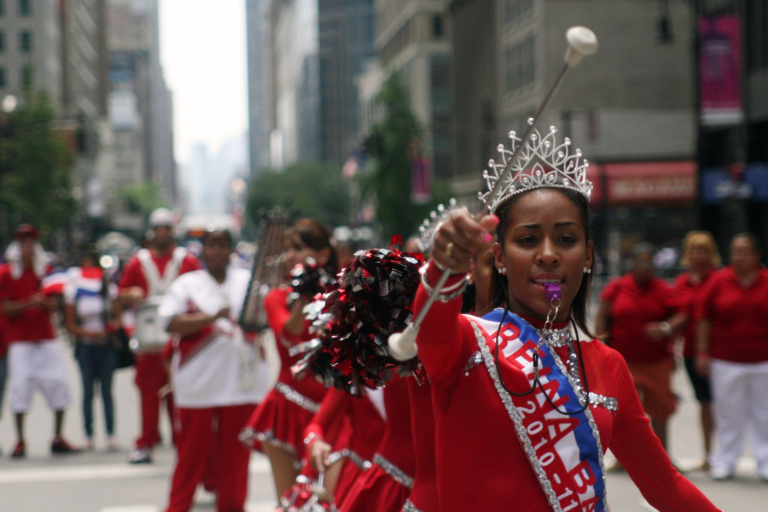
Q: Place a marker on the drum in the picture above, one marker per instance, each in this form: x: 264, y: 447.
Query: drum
x: 150, y: 334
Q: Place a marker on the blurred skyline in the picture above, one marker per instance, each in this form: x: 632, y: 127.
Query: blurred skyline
x: 203, y: 52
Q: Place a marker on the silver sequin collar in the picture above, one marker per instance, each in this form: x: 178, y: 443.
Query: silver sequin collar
x: 556, y: 337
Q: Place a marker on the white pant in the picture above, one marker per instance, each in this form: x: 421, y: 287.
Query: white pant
x: 740, y: 392
x: 37, y: 365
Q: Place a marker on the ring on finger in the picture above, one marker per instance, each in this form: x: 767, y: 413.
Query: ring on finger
x: 449, y: 249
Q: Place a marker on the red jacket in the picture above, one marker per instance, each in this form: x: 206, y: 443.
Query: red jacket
x: 480, y: 462
x: 365, y: 421
x: 277, y: 315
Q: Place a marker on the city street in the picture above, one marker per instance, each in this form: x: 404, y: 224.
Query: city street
x: 103, y: 482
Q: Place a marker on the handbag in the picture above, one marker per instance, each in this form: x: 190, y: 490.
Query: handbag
x: 118, y: 339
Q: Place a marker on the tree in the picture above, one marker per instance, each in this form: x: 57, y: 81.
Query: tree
x: 312, y: 190
x: 143, y: 198
x: 35, y: 166
x: 389, y: 184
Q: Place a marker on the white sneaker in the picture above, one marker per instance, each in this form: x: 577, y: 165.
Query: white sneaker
x: 140, y: 456
x: 721, y: 473
x: 112, y: 444
x: 89, y: 444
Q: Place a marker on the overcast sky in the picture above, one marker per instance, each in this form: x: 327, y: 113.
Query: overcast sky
x: 203, y: 52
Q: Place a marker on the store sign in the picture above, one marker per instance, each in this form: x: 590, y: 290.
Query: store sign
x: 652, y: 188
x: 720, y: 77
x: 718, y: 184
x: 645, y: 182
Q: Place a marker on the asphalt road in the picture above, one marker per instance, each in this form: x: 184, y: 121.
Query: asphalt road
x: 99, y: 481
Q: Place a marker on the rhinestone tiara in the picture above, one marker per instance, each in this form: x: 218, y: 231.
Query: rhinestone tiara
x: 544, y: 162
x: 431, y: 223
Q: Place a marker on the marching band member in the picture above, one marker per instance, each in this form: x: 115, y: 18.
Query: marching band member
x: 146, y: 278
x: 477, y: 299
x: 34, y: 360
x: 366, y: 416
x: 278, y: 423
x: 387, y: 484
x: 518, y: 396
x: 217, y: 379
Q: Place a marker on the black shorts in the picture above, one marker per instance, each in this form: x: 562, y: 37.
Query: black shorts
x: 700, y: 384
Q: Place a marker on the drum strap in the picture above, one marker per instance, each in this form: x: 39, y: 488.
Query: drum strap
x: 249, y: 356
x: 157, y: 285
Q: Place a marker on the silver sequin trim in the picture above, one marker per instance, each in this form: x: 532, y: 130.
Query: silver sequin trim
x: 575, y: 380
x: 397, y: 474
x: 269, y: 438
x: 294, y: 396
x: 249, y: 437
x: 612, y: 404
x: 409, y: 507
x: 556, y: 337
x: 522, y: 435
x: 475, y: 360
x: 349, y: 454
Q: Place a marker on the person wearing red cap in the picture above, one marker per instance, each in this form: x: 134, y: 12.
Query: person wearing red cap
x: 34, y: 360
x: 147, y: 277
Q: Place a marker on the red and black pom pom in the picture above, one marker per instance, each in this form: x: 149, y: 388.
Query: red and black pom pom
x: 373, y: 299
x: 307, y: 280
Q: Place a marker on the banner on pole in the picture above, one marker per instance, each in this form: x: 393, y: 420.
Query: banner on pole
x: 720, y: 77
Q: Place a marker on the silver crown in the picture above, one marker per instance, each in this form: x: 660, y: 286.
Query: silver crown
x: 542, y: 163
x: 431, y: 223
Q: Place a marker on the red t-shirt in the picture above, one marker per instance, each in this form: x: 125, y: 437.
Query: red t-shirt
x: 687, y: 294
x: 134, y: 274
x: 631, y: 308
x: 738, y: 316
x: 34, y: 323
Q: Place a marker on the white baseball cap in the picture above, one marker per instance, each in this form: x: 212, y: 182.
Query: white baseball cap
x: 161, y: 217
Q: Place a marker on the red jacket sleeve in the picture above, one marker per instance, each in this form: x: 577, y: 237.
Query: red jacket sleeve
x: 640, y: 452
x: 190, y: 264
x: 333, y: 409
x: 133, y: 275
x: 278, y: 314
x: 445, y: 337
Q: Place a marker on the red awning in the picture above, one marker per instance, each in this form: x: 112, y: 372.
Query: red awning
x: 644, y: 182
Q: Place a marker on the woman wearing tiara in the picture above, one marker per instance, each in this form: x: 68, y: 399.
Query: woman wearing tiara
x: 278, y: 423
x: 519, y: 397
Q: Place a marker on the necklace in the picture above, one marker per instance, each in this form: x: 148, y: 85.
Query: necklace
x: 556, y: 337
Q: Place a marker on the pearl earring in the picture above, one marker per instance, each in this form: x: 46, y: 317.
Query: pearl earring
x: 587, y: 270
x: 503, y: 271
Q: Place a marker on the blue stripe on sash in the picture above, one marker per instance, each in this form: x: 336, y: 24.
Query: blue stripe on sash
x: 588, y: 447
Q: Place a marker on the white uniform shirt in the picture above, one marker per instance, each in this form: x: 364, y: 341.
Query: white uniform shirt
x: 212, y: 377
